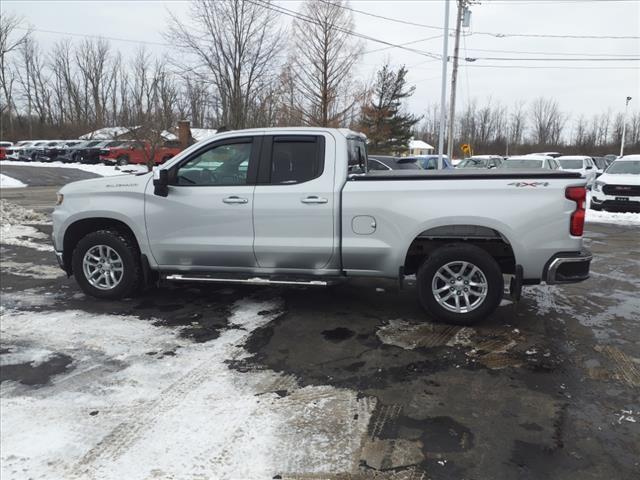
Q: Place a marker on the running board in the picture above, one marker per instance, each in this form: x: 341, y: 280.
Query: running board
x: 252, y: 281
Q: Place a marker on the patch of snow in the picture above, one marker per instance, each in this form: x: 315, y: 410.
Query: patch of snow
x: 121, y: 413
x: 202, y: 133
x: 10, y: 182
x: 13, y: 214
x: 41, y: 271
x: 616, y: 218
x: 24, y: 236
x: 18, y: 355
x: 99, y: 169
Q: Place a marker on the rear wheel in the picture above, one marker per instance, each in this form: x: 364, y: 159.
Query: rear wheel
x: 460, y: 284
x: 106, y: 264
x: 122, y: 160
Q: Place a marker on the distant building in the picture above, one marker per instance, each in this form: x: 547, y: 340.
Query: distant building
x: 418, y: 147
x: 109, y: 133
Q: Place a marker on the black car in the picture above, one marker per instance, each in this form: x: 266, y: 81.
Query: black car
x: 31, y: 152
x: 53, y: 151
x: 91, y: 154
x: 382, y: 162
x: 73, y: 153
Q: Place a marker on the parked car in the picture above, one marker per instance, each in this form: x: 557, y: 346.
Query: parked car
x: 53, y: 150
x: 71, y: 153
x: 13, y: 152
x: 618, y: 188
x: 481, y: 161
x: 581, y: 164
x: 386, y: 163
x: 92, y: 153
x: 277, y: 205
x: 29, y: 152
x: 430, y: 162
x: 601, y: 164
x: 531, y: 162
x: 137, y: 153
x: 3, y: 149
x: 548, y: 154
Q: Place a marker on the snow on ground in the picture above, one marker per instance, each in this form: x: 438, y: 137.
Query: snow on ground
x: 16, y: 229
x: 9, y: 182
x: 618, y: 218
x: 121, y: 411
x: 102, y: 170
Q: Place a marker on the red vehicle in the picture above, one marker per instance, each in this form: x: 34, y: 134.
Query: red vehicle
x: 136, y: 152
x: 3, y: 149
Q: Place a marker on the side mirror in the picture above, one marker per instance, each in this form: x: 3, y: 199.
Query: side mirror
x: 161, y: 183
x: 589, y: 167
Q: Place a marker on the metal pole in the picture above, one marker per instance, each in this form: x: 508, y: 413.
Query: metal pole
x: 454, y: 78
x: 624, y: 126
x: 443, y: 92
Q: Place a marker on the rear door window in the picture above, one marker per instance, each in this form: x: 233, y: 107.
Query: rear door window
x: 296, y: 159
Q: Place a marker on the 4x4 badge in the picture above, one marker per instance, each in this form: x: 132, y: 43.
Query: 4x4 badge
x: 529, y: 184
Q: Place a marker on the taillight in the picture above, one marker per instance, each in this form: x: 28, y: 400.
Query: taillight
x: 578, y: 195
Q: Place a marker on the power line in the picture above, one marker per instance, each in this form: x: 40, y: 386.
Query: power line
x: 87, y: 35
x: 304, y: 18
x: 509, y: 59
x: 553, y: 53
x: 562, y: 67
x: 493, y: 34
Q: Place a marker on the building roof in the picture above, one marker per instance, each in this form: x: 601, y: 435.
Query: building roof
x: 202, y: 133
x: 413, y: 144
x: 107, y: 133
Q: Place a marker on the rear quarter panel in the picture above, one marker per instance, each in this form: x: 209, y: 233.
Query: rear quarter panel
x: 533, y: 219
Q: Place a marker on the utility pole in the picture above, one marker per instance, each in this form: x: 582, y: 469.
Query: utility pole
x: 443, y: 88
x: 624, y: 125
x: 454, y: 77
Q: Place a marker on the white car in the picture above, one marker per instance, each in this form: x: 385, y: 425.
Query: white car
x: 618, y: 188
x: 530, y: 161
x: 581, y: 164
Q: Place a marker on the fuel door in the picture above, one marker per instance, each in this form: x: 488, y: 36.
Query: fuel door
x: 363, y: 225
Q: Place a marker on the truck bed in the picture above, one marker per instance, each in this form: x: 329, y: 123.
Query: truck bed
x: 467, y: 174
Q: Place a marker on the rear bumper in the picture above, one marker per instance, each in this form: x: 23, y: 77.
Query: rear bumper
x: 568, y: 267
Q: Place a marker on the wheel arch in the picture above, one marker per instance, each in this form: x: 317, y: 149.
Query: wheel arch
x: 80, y: 228
x: 488, y: 238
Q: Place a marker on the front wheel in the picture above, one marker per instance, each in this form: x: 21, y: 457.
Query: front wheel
x: 460, y: 284
x: 122, y: 160
x: 106, y: 264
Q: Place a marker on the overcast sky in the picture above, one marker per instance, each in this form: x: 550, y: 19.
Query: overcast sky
x: 581, y: 87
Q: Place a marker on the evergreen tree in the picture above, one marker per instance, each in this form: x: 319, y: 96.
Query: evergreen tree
x: 387, y: 126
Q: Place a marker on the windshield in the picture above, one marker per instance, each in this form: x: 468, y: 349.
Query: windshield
x: 522, y: 163
x: 473, y: 163
x: 625, y: 166
x: 570, y: 164
x: 600, y: 162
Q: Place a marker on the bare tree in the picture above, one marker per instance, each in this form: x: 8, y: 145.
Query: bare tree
x: 236, y: 43
x: 548, y: 121
x: 10, y: 41
x: 324, y: 59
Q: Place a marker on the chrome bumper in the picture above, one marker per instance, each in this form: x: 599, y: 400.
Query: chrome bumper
x: 570, y: 267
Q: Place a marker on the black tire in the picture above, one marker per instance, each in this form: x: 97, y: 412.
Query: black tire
x: 122, y: 160
x: 126, y: 247
x: 467, y: 253
x: 595, y: 207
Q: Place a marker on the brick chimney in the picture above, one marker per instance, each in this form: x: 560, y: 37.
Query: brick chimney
x: 184, y: 133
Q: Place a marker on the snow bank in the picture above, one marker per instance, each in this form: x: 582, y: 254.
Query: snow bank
x: 102, y: 170
x: 126, y: 410
x: 13, y: 214
x: 624, y: 218
x: 9, y: 182
x: 15, y: 227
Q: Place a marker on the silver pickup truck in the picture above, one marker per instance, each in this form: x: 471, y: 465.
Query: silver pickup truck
x: 278, y: 206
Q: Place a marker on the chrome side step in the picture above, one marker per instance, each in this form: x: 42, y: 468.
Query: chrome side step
x: 252, y: 281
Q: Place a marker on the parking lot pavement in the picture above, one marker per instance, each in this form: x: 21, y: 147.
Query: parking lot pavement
x: 45, y: 176
x: 347, y: 382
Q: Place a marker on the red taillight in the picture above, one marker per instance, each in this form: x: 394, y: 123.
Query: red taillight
x: 578, y: 195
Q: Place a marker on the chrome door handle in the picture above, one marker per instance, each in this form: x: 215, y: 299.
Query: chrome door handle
x: 235, y: 199
x: 314, y: 199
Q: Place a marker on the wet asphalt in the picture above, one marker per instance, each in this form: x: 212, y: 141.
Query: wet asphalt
x: 538, y: 390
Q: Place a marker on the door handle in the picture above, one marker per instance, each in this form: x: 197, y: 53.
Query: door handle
x: 314, y: 199
x: 235, y: 199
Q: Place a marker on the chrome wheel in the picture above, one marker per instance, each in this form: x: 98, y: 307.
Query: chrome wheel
x: 459, y: 286
x: 103, y: 267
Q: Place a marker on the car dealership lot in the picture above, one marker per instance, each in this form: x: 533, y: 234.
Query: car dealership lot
x: 351, y: 381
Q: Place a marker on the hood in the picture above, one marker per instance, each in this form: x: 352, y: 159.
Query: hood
x: 619, y: 178
x: 116, y: 183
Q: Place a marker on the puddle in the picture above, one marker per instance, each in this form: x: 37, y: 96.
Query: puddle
x: 337, y: 335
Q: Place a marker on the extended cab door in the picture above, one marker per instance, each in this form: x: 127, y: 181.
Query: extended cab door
x: 206, y: 219
x: 293, y: 212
